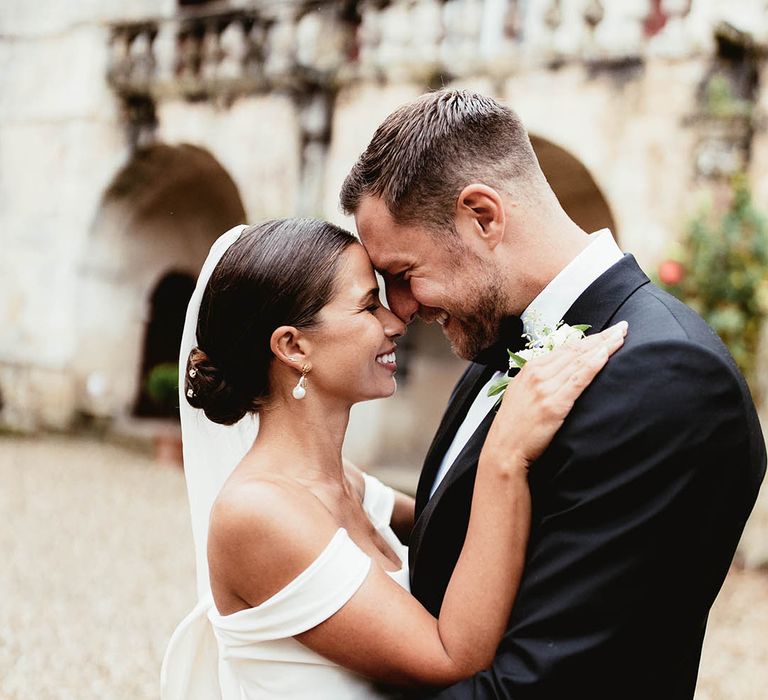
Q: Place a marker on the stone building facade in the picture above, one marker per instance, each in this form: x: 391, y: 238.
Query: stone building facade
x: 133, y: 134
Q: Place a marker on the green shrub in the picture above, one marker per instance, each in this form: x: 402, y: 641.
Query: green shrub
x: 163, y: 384
x: 721, y: 271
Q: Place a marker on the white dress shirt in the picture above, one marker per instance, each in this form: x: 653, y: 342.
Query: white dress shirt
x: 548, y: 308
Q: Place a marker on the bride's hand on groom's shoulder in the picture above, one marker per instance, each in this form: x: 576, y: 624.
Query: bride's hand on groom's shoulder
x: 542, y: 395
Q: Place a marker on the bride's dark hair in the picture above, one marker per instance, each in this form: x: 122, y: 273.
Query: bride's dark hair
x: 278, y: 273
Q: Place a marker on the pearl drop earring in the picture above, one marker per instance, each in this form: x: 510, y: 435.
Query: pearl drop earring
x: 300, y: 390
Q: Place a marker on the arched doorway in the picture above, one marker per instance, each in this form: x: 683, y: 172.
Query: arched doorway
x: 574, y: 186
x: 168, y: 304
x: 150, y: 236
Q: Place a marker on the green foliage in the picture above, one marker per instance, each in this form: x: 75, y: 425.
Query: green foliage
x: 723, y: 274
x: 517, y: 359
x: 163, y: 384
x: 721, y: 103
x: 499, y: 386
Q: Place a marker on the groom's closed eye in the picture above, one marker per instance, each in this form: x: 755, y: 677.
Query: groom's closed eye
x: 396, y: 279
x: 403, y: 275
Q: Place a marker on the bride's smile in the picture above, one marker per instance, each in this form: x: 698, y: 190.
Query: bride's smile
x: 388, y: 360
x: 352, y: 348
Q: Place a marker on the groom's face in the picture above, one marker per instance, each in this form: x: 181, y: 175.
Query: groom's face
x: 434, y: 277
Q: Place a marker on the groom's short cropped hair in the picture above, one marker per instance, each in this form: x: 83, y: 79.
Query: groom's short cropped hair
x: 427, y: 151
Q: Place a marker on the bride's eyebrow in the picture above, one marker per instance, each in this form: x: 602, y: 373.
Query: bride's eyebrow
x: 372, y: 293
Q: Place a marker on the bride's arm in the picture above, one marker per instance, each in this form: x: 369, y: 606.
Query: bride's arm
x: 382, y: 631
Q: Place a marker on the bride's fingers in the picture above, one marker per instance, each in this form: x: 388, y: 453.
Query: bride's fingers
x: 560, y: 360
x: 617, y: 328
x: 534, y: 407
x: 612, y: 338
x: 577, y: 369
x: 609, y: 335
x: 585, y: 369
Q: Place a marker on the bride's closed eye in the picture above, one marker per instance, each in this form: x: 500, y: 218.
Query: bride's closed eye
x: 373, y: 308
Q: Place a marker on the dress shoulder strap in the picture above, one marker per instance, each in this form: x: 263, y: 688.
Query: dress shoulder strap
x: 378, y: 501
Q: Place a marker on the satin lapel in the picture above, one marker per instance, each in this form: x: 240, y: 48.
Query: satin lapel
x: 461, y: 400
x: 604, y: 297
x: 465, y: 459
x: 596, y: 306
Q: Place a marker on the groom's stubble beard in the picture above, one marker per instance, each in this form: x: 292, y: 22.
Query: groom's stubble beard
x: 479, y: 323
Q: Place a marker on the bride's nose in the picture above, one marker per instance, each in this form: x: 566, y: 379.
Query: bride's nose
x: 393, y: 326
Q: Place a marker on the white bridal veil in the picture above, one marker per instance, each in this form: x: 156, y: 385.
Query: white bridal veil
x: 191, y: 668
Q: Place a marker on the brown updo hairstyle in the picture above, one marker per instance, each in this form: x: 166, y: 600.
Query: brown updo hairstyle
x: 281, y: 272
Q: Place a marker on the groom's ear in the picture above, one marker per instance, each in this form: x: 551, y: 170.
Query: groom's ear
x: 480, y: 215
x: 290, y: 346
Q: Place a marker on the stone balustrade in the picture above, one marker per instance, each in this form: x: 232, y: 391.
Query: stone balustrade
x: 271, y: 45
x: 230, y: 52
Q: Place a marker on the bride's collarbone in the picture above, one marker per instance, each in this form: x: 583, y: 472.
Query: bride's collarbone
x: 346, y: 508
x: 341, y: 503
x: 344, y: 505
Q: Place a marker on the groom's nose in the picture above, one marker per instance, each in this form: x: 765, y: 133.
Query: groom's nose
x: 401, y: 302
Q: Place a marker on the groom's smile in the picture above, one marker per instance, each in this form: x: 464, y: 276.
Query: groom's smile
x: 411, y: 262
x: 431, y: 275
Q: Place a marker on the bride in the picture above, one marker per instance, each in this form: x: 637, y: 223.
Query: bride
x: 302, y: 577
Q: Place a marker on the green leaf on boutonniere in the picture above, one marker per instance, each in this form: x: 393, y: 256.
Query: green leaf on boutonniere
x: 517, y: 359
x: 498, y: 386
x: 540, y: 341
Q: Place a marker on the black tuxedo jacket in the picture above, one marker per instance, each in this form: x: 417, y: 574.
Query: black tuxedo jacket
x: 638, y: 505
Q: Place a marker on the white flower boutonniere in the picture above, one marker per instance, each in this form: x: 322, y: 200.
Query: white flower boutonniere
x: 540, y: 340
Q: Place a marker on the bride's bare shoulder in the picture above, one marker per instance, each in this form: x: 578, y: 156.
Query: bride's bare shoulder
x: 269, y: 506
x: 263, y: 533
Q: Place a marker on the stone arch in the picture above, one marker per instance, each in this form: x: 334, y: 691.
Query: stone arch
x: 159, y: 215
x: 574, y: 186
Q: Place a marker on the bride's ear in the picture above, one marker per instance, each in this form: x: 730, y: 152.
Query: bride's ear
x: 290, y: 346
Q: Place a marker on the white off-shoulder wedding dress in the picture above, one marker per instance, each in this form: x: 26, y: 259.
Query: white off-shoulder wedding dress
x: 258, y: 657
x: 258, y: 642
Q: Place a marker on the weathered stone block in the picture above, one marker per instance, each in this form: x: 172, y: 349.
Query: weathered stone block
x: 35, y: 397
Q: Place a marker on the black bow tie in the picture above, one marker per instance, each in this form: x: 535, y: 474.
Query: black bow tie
x: 510, y: 337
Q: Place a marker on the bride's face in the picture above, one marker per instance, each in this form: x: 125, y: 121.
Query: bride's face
x: 353, y: 347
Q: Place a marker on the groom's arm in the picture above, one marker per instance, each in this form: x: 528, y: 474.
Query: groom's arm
x: 402, y: 516
x: 641, y: 501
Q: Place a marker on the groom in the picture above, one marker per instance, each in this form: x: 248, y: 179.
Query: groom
x: 639, y: 502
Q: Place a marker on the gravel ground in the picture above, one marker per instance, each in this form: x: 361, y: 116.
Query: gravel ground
x: 99, y: 569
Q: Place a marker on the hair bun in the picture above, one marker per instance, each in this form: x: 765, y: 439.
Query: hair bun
x: 206, y: 387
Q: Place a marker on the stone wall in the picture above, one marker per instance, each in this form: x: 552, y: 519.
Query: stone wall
x: 60, y: 142
x: 282, y: 97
